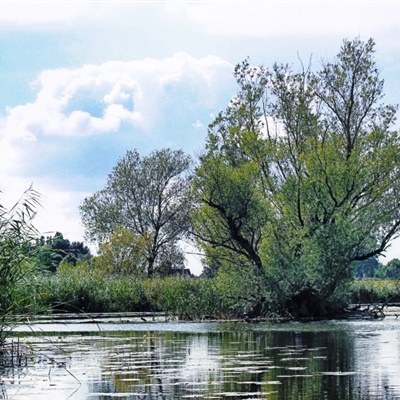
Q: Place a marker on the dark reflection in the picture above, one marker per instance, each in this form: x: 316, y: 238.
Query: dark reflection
x: 347, y: 361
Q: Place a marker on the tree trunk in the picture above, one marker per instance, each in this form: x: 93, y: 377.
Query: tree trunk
x: 150, y: 266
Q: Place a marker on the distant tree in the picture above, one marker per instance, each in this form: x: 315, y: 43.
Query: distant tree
x: 171, y: 261
x: 367, y: 268
x: 53, y: 250
x: 148, y: 196
x: 390, y: 271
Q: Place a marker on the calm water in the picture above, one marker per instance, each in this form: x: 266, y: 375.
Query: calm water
x: 332, y: 360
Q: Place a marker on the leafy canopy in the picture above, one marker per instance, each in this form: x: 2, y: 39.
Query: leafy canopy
x: 301, y: 173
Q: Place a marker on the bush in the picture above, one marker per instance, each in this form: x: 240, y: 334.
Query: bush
x: 240, y: 292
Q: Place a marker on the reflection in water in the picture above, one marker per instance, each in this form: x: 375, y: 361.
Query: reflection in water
x: 378, y: 354
x: 343, y: 360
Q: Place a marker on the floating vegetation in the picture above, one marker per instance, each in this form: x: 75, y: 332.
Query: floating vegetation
x: 296, y: 368
x: 260, y: 383
x: 339, y: 373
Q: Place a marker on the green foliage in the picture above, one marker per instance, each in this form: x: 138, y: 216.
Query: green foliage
x: 16, y: 271
x: 83, y: 288
x: 51, y: 251
x: 224, y: 297
x: 234, y: 212
x: 123, y: 254
x: 241, y: 292
x: 184, y: 297
x: 300, y: 175
x: 370, y: 291
x: 147, y: 196
x: 368, y: 268
x: 389, y: 271
x: 87, y: 288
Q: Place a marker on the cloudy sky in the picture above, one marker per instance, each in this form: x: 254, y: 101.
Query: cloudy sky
x: 81, y: 82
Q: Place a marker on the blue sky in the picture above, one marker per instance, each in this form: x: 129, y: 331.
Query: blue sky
x: 81, y: 82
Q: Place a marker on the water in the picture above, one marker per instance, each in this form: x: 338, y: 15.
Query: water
x: 89, y: 361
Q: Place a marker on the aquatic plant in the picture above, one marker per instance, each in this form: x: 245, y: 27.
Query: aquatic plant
x: 16, y: 234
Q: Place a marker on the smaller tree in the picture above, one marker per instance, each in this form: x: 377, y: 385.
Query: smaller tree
x: 148, y: 196
x: 171, y: 261
x: 368, y: 268
x: 123, y: 254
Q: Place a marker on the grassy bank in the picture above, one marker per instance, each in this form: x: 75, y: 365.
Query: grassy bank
x: 223, y: 297
x: 368, y: 291
x: 188, y: 298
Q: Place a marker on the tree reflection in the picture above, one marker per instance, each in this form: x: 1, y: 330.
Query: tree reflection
x: 243, y: 361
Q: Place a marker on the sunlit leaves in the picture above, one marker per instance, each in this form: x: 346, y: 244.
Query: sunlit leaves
x: 124, y: 253
x: 233, y: 213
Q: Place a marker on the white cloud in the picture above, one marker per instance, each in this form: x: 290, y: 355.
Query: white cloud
x: 40, y: 13
x: 99, y: 98
x: 71, y: 104
x: 198, y: 125
x: 59, y: 205
x: 245, y: 19
x: 273, y: 18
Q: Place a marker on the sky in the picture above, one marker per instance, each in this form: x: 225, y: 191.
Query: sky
x: 82, y: 82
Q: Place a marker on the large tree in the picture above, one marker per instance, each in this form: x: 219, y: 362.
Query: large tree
x: 147, y: 196
x: 301, y: 174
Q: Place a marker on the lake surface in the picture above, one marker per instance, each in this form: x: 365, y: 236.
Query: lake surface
x: 98, y: 361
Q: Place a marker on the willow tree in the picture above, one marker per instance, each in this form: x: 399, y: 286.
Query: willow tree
x: 301, y: 176
x: 147, y: 196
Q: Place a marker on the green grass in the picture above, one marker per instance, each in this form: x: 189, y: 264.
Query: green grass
x: 91, y: 293
x: 86, y: 290
x: 375, y: 291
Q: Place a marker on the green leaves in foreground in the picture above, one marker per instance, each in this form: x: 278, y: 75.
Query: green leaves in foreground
x: 16, y: 234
